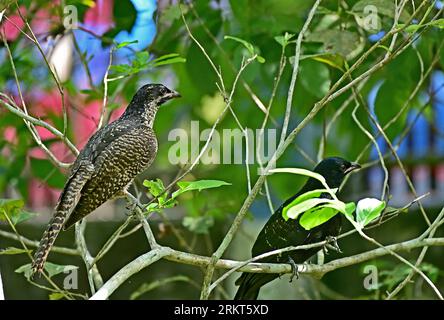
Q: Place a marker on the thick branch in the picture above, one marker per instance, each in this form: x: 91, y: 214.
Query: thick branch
x: 317, y: 271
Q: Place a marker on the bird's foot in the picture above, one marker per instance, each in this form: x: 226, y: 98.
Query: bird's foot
x: 332, y: 242
x: 130, y: 207
x: 294, y: 269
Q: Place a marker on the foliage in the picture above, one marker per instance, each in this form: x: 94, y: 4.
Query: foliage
x: 266, y: 33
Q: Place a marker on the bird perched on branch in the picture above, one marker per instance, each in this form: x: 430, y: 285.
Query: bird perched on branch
x: 278, y: 233
x: 107, y: 165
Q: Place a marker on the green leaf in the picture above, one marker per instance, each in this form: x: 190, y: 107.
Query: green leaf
x: 92, y: 94
x: 154, y: 187
x: 14, y: 209
x: 367, y: 210
x: 305, y: 196
x: 51, y: 268
x: 285, y: 39
x: 333, y: 60
x: 341, y: 207
x: 437, y: 23
x: 56, y: 296
x: 316, y: 217
x: 55, y: 269
x: 246, y: 44
x: 11, y: 207
x: 185, y: 186
x: 171, y: 13
x: 3, y: 5
x: 26, y: 270
x: 141, y: 60
x: 13, y: 250
x: 153, y: 207
x: 249, y: 47
x: 395, y: 275
x: 126, y: 43
x: 48, y: 173
x: 412, y: 28
x: 308, y: 173
x: 260, y: 59
x: 294, y: 211
x: 23, y: 216
x: 383, y: 7
x: 121, y: 68
x: 125, y: 15
x: 315, y: 77
x: 113, y: 106
x: 345, y: 43
x: 199, y: 225
x: 167, y: 59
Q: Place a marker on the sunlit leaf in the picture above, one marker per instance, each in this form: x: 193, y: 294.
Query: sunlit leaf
x: 333, y: 60
x: 305, y: 196
x: 125, y: 44
x: 294, y: 211
x: 245, y: 43
x: 156, y: 188
x: 12, y: 250
x: 185, y: 186
x: 56, y: 296
x: 316, y: 217
x: 367, y: 210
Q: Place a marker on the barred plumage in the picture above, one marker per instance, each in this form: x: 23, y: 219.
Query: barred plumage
x: 109, y: 162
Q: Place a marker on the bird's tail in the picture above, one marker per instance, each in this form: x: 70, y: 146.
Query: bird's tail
x: 48, y: 239
x: 250, y: 284
x: 68, y: 200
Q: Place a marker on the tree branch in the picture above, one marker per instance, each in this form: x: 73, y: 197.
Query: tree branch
x: 316, y: 271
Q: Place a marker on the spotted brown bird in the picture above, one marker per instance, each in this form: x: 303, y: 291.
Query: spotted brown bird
x: 278, y: 233
x: 107, y: 165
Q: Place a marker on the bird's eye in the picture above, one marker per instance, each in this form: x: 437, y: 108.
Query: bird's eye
x: 343, y: 167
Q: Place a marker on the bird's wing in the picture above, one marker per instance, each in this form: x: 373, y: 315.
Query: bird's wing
x: 83, y: 168
x: 115, y: 166
x: 278, y: 233
x: 101, y: 139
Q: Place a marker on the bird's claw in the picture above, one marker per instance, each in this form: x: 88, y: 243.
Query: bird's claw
x: 294, y: 269
x: 131, y: 207
x: 333, y: 242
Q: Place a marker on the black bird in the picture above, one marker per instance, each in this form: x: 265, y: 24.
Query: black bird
x: 278, y: 233
x: 107, y: 165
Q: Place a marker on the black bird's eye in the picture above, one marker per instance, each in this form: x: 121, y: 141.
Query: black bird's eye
x: 343, y: 167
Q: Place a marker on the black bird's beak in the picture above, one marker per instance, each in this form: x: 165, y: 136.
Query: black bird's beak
x: 354, y: 166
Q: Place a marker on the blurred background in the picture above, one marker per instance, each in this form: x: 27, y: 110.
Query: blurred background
x: 409, y: 87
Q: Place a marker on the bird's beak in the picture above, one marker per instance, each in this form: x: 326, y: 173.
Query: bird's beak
x: 354, y: 166
x: 170, y: 95
x: 174, y: 94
